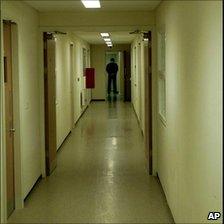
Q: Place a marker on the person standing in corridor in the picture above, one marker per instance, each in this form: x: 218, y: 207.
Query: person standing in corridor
x: 112, y: 69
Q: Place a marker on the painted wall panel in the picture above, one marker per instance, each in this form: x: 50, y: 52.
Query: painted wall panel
x: 138, y: 77
x: 63, y: 90
x: 65, y: 121
x: 190, y: 145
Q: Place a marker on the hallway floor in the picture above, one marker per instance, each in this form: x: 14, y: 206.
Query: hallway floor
x: 101, y: 175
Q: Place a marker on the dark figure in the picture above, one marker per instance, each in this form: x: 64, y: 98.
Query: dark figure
x: 112, y: 69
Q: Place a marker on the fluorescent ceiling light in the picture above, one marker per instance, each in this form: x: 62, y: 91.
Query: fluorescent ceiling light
x: 91, y: 4
x: 107, y: 39
x: 105, y: 34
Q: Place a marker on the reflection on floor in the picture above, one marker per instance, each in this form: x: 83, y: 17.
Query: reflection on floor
x: 101, y: 175
x: 113, y: 97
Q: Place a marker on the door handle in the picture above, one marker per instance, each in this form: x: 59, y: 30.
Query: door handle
x: 5, y: 69
x: 12, y: 130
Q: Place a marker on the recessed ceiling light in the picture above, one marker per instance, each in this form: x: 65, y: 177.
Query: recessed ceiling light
x: 107, y: 39
x: 105, y: 34
x: 91, y: 4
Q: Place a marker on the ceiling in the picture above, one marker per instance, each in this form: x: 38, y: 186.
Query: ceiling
x: 106, y: 5
x: 117, y: 37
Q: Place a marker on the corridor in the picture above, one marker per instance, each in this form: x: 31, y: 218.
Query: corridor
x: 101, y: 175
x: 69, y: 156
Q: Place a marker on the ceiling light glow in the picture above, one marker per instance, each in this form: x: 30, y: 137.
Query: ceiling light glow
x: 107, y: 39
x: 91, y: 4
x: 105, y: 34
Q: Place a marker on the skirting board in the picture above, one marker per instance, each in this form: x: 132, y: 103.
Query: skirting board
x: 98, y: 100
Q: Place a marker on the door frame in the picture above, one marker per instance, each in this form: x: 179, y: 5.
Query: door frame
x: 127, y: 69
x: 19, y: 202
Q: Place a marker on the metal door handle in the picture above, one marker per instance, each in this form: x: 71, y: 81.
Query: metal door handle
x: 12, y: 129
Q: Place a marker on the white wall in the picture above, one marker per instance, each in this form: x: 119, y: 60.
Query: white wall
x: 189, y: 145
x: 64, y: 120
x: 63, y: 90
x: 29, y: 91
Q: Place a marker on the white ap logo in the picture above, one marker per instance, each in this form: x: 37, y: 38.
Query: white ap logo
x: 214, y: 215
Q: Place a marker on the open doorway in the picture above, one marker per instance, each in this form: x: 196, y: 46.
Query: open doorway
x: 123, y: 60
x: 116, y: 55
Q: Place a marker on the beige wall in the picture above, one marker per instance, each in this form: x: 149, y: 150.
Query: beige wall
x: 190, y: 143
x: 90, y: 20
x: 98, y: 61
x: 80, y: 87
x: 28, y: 93
x: 139, y: 71
x: 136, y: 74
x: 63, y: 90
x: 65, y: 120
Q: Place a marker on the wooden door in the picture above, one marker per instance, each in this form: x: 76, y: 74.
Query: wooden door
x: 127, y: 76
x: 8, y: 87
x: 50, y: 105
x: 139, y: 82
x: 149, y: 131
x: 72, y: 85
